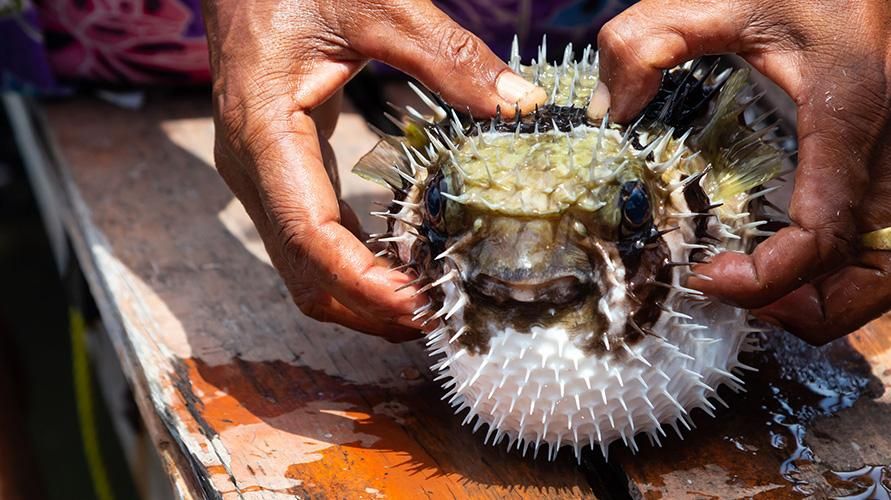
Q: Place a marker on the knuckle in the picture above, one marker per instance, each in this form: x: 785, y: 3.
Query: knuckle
x: 835, y: 244
x: 609, y: 36
x: 293, y: 234
x: 460, y: 47
x: 615, y: 39
x: 230, y: 117
x: 235, y: 126
x: 309, y: 304
x: 248, y: 105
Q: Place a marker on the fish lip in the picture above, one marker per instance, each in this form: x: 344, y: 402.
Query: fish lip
x: 557, y: 290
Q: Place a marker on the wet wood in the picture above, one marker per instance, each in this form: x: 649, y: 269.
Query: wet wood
x: 807, y: 415
x: 245, y: 397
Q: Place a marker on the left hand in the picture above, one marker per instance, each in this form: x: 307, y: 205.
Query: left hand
x: 834, y: 59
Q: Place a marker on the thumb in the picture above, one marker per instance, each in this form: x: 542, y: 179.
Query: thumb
x: 652, y: 36
x: 424, y: 42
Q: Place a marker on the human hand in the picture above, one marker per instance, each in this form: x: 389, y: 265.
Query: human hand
x: 834, y: 59
x: 278, y: 67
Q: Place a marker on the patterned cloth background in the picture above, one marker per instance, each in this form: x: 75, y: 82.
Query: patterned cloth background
x: 142, y: 42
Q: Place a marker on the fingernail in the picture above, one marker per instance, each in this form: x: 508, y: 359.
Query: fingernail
x: 599, y: 104
x: 515, y: 89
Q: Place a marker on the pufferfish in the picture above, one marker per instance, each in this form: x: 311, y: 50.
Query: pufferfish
x: 555, y: 252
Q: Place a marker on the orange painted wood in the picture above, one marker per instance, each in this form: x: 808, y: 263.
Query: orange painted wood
x: 244, y: 396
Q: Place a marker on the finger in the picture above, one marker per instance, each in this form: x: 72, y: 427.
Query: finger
x: 834, y: 146
x: 318, y: 306
x: 835, y: 153
x: 651, y: 36
x: 329, y: 310
x: 654, y: 35
x: 445, y: 57
x: 305, y: 213
x: 820, y: 239
x: 838, y: 304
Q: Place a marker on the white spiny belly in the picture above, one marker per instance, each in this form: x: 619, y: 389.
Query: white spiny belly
x: 538, y: 387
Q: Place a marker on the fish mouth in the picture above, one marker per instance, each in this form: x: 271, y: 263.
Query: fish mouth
x: 556, y: 291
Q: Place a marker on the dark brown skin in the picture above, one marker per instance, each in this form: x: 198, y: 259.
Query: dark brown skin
x: 833, y: 58
x: 278, y: 67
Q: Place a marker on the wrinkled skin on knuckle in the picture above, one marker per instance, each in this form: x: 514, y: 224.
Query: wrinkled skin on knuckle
x: 294, y: 235
x: 229, y: 119
x: 459, y: 49
x: 244, y: 109
x: 613, y: 39
x: 459, y: 46
x: 228, y: 166
x: 835, y: 245
x: 309, y: 302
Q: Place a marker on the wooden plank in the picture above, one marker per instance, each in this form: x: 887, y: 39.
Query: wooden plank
x: 245, y: 397
x: 807, y: 414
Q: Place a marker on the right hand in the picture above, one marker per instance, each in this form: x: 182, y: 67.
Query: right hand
x: 833, y: 58
x: 278, y: 67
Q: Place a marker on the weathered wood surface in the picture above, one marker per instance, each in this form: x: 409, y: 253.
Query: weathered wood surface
x: 793, y: 421
x: 247, y: 398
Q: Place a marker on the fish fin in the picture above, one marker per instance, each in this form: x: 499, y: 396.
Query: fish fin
x: 723, y: 121
x: 377, y: 165
x: 742, y: 159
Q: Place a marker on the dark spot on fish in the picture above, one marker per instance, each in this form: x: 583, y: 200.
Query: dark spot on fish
x: 652, y: 267
x: 683, y: 97
x: 698, y: 201
x: 544, y: 119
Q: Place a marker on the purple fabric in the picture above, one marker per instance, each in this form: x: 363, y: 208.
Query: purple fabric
x: 23, y: 63
x: 564, y: 21
x: 163, y: 41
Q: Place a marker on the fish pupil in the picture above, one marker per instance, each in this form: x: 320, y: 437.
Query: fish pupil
x: 636, y: 229
x: 434, y: 201
x: 433, y: 225
x: 635, y: 205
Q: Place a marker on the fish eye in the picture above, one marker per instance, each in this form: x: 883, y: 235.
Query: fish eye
x: 635, y: 204
x: 434, y: 201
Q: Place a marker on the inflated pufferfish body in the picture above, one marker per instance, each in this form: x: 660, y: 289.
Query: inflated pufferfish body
x: 555, y: 252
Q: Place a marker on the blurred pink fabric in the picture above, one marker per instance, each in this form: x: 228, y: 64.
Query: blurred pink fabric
x: 141, y: 42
